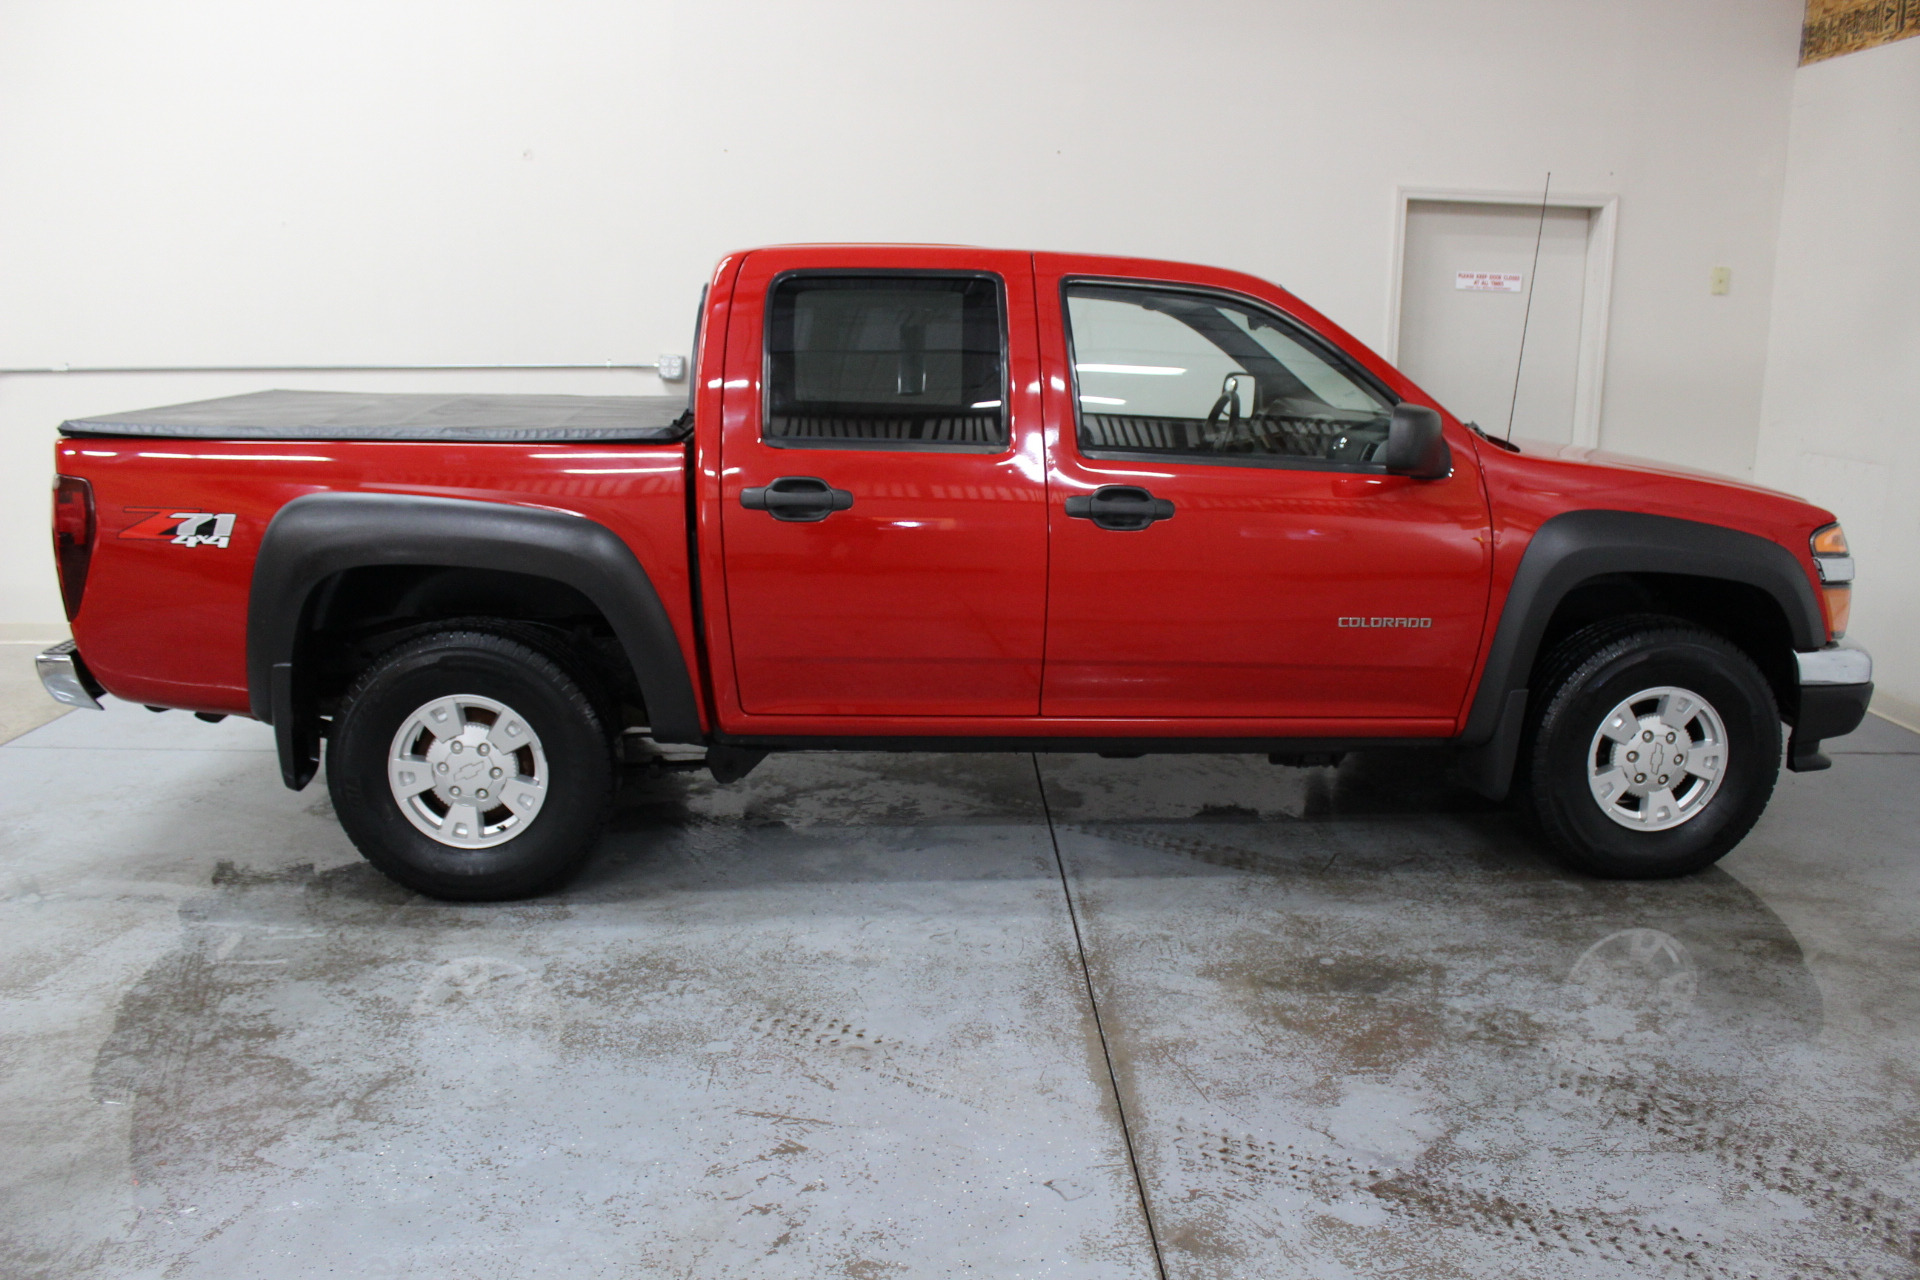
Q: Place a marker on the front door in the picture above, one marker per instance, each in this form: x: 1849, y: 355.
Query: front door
x: 1224, y: 546
x: 883, y: 502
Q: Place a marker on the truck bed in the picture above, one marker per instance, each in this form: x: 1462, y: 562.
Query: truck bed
x: 356, y: 415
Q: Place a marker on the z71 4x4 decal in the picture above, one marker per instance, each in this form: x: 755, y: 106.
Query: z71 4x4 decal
x: 182, y: 528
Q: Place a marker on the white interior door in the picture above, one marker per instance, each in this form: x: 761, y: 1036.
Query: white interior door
x: 1463, y: 295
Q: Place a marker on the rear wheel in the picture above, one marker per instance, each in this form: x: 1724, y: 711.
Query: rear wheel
x: 1656, y: 748
x: 471, y: 766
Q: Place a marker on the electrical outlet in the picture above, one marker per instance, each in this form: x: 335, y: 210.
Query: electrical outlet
x: 674, y: 368
x: 1720, y: 281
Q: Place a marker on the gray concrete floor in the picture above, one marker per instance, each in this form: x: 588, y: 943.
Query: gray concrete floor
x: 834, y: 1021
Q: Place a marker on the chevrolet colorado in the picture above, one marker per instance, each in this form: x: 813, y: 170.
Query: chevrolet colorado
x: 949, y: 499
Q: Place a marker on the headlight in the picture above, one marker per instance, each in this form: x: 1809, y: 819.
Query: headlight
x: 1831, y: 558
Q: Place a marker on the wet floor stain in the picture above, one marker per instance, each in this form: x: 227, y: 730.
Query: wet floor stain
x: 735, y: 1047
x: 1371, y: 1041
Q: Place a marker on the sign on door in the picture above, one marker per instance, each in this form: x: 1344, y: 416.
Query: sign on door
x: 1487, y: 281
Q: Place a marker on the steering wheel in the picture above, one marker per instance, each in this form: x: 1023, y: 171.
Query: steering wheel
x: 1228, y: 404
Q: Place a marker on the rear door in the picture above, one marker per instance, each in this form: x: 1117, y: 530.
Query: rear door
x: 1224, y: 544
x: 883, y: 503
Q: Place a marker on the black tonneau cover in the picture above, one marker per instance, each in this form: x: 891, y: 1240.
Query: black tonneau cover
x: 356, y: 415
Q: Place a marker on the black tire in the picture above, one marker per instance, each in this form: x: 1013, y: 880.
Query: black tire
x: 544, y: 849
x: 1581, y: 683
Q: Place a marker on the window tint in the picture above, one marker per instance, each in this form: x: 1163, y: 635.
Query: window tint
x: 906, y: 362
x: 1166, y: 372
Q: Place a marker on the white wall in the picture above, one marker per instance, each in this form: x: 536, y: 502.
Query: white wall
x: 244, y: 183
x: 1842, y: 412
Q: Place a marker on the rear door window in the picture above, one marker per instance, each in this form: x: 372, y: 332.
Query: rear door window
x: 886, y: 362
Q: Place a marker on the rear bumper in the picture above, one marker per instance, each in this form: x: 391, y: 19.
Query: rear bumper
x: 1836, y: 684
x: 66, y: 677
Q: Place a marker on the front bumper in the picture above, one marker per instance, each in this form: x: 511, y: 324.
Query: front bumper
x: 1836, y: 684
x: 66, y: 678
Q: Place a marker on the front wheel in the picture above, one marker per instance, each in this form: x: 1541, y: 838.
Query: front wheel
x: 470, y: 766
x: 1655, y: 750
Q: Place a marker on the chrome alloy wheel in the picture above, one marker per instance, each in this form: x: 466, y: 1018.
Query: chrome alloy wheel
x: 467, y: 771
x: 1658, y: 758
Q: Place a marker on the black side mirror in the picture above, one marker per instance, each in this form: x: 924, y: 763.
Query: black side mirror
x: 1415, y: 446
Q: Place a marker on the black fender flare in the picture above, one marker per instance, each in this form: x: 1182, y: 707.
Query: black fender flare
x: 1577, y: 546
x: 321, y: 534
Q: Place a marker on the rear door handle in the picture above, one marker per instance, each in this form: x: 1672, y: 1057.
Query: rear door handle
x: 797, y: 499
x: 1125, y: 508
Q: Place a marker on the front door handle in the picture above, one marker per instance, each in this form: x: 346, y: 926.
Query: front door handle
x: 1125, y: 508
x: 797, y: 499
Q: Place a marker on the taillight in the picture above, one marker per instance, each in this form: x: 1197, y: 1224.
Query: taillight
x: 1835, y: 565
x: 73, y: 530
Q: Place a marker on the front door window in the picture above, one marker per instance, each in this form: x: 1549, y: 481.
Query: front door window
x: 1170, y: 374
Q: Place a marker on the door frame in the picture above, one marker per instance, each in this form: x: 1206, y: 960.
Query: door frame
x: 1596, y: 302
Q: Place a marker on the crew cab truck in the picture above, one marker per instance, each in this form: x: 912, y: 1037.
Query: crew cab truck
x: 933, y: 498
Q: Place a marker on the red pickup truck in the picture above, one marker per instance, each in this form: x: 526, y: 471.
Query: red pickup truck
x: 949, y: 499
